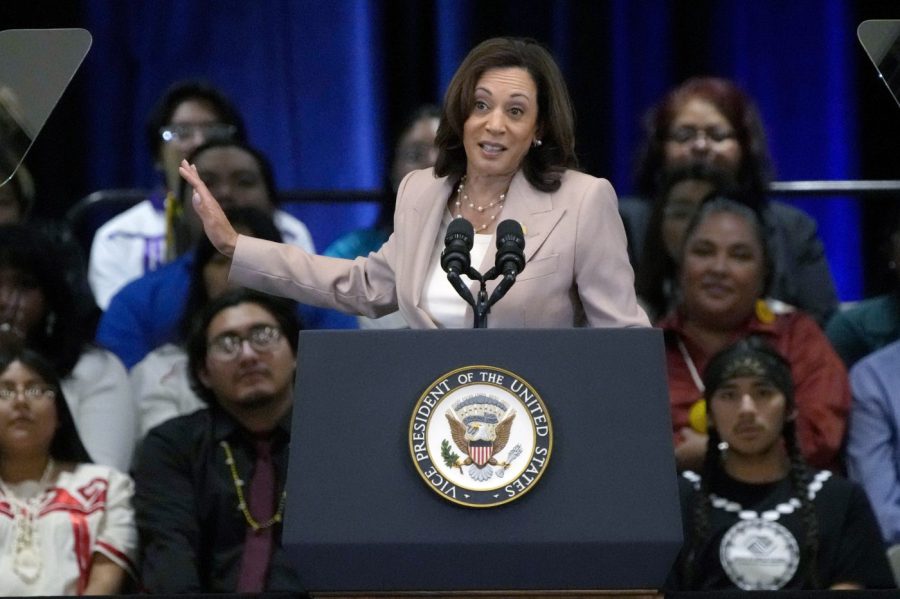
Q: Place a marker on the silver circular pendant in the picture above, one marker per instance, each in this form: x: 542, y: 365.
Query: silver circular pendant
x: 759, y: 555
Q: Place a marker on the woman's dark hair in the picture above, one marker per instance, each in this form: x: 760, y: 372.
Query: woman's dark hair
x: 723, y: 205
x: 69, y: 322
x: 265, y: 167
x: 66, y: 445
x: 184, y: 91
x: 282, y: 310
x: 249, y: 221
x: 657, y: 270
x: 754, y: 173
x: 544, y: 165
x: 779, y: 370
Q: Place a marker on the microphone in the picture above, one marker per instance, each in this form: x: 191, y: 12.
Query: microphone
x: 510, y: 248
x: 455, y: 259
x: 457, y: 244
x: 510, y: 259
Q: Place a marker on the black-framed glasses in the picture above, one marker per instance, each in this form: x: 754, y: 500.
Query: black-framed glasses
x: 683, y: 135
x: 209, y: 131
x: 29, y: 392
x: 262, y: 338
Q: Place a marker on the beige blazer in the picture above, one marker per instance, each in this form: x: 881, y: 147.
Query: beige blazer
x: 576, y: 271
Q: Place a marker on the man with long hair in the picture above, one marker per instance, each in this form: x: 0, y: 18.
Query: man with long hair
x: 757, y: 517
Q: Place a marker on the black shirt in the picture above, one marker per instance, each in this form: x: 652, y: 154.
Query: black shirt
x: 850, y: 548
x: 191, y: 531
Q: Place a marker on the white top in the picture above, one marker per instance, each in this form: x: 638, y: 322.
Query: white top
x: 439, y: 299
x: 82, y: 511
x: 394, y: 320
x: 99, y: 397
x: 162, y: 388
x: 134, y: 242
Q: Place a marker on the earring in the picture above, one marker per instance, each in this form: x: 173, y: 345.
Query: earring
x: 536, y: 143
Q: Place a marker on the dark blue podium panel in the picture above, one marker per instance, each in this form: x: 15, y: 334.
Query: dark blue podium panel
x: 604, y: 515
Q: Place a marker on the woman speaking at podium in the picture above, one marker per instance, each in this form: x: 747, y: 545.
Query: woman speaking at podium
x: 506, y: 150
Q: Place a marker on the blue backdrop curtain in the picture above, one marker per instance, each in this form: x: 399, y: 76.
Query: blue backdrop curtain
x: 324, y: 86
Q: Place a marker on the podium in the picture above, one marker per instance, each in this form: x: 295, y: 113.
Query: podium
x: 604, y: 516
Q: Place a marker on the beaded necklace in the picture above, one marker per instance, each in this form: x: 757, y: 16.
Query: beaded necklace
x: 462, y: 196
x: 239, y: 490
x: 785, y: 507
x: 27, y: 562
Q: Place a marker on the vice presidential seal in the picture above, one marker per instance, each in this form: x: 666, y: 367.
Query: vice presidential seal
x: 480, y: 436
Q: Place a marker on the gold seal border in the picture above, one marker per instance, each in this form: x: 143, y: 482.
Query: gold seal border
x: 534, y: 392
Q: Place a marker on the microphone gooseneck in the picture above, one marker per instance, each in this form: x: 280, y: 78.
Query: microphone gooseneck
x: 456, y: 260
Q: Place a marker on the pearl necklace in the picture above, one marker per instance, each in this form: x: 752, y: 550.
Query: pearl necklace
x: 786, y: 507
x: 27, y: 561
x: 462, y: 196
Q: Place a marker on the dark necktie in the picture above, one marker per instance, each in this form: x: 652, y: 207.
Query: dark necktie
x: 261, y: 503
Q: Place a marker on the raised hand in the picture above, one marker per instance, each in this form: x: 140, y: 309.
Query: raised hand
x: 215, y: 224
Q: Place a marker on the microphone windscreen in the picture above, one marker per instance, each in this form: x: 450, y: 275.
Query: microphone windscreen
x: 462, y: 230
x: 510, y: 248
x: 510, y: 231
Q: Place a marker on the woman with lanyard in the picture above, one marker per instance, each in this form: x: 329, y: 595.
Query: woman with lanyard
x: 724, y: 272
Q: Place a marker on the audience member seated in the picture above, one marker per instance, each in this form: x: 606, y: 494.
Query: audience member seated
x: 17, y: 197
x: 757, y: 517
x: 873, y: 441
x: 711, y: 125
x: 725, y: 266
x: 160, y: 382
x: 142, y: 238
x: 872, y: 323
x: 40, y: 308
x: 145, y: 313
x: 414, y: 150
x: 66, y: 526
x: 201, y: 528
x: 656, y: 280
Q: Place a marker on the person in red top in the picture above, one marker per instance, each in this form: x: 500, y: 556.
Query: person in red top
x: 723, y: 275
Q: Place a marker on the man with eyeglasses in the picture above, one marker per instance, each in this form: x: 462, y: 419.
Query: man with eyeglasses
x: 140, y: 239
x: 210, y: 485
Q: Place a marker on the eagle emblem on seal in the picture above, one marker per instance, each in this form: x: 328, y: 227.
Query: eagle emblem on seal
x: 480, y: 427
